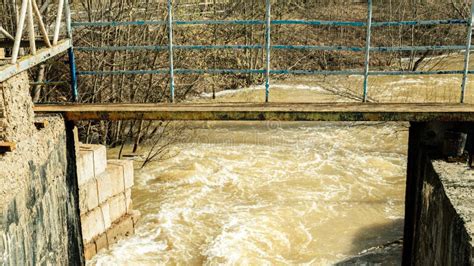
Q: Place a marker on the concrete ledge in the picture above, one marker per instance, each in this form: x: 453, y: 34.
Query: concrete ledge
x: 266, y: 111
x: 105, y: 198
x: 100, y: 157
x: 128, y: 200
x: 90, y: 250
x: 104, y: 187
x: 88, y: 196
x: 439, y: 199
x: 92, y: 225
x: 118, y: 207
x: 116, y: 179
x: 105, y: 211
x: 458, y: 183
x: 122, y: 228
x: 85, y: 166
x: 443, y: 236
x: 127, y: 168
x: 91, y: 162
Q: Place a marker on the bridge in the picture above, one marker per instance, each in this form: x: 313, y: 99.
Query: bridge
x: 265, y: 111
x: 433, y: 125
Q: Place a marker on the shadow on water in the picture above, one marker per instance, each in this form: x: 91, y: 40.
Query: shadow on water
x: 369, y: 243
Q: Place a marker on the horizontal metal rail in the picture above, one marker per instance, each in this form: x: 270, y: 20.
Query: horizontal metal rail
x: 368, y: 24
x: 273, y: 22
x: 279, y: 47
x: 272, y: 71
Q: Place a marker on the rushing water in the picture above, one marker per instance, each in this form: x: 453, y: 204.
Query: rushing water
x: 274, y: 193
x: 269, y: 193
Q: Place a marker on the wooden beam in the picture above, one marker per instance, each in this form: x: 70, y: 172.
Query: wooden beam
x: 261, y: 112
x: 6, y: 146
x: 26, y: 62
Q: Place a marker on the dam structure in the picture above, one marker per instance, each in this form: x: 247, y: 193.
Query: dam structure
x: 62, y: 201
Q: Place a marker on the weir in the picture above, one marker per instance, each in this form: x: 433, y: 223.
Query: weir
x: 61, y: 201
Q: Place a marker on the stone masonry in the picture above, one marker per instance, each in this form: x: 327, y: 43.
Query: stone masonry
x: 37, y: 205
x: 439, y: 216
x: 104, y: 198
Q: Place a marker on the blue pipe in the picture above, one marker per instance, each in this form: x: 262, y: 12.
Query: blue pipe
x: 272, y: 71
x: 420, y: 23
x: 279, y: 47
x: 273, y: 22
x: 72, y: 70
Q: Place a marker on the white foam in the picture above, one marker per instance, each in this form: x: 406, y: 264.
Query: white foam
x: 247, y: 203
x: 262, y: 87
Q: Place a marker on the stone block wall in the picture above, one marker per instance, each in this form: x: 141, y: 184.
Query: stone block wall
x: 38, y: 216
x: 439, y: 208
x: 104, y: 198
x: 2, y: 115
x: 446, y: 228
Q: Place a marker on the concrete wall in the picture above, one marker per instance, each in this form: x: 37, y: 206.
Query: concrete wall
x: 439, y: 218
x: 50, y: 184
x: 445, y: 228
x: 39, y: 222
x: 104, y: 198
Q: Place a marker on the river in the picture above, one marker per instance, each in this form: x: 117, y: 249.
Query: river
x: 269, y: 193
x: 276, y: 193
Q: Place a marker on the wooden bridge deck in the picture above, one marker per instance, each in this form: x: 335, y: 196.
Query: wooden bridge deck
x: 269, y: 111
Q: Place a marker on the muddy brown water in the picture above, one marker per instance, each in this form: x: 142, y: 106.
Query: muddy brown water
x: 269, y: 193
x: 276, y: 193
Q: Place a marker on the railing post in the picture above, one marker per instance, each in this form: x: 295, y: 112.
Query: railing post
x: 170, y: 48
x: 19, y: 31
x: 467, y: 54
x: 70, y: 52
x: 367, y: 50
x: 267, y: 48
x: 31, y: 27
x: 57, y: 27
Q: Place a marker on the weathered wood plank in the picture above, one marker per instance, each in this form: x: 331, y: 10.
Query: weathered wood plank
x: 30, y: 61
x: 270, y: 111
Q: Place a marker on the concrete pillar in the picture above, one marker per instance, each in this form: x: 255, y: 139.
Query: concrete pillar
x: 75, y: 243
x: 425, y: 196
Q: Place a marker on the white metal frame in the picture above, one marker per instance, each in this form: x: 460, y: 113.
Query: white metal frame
x: 29, y: 11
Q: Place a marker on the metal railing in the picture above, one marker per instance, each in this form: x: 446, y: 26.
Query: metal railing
x: 53, y: 40
x: 268, y: 46
x: 28, y: 13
